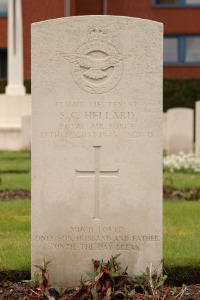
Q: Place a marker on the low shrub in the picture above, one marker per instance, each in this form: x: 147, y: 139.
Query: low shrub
x: 180, y: 92
x: 185, y: 163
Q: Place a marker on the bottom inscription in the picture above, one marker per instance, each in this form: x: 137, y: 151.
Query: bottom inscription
x: 104, y: 247
x: 97, y: 238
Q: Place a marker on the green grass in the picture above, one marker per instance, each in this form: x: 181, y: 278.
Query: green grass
x: 181, y: 239
x: 15, y: 238
x: 15, y: 162
x: 11, y: 181
x: 181, y: 180
x: 15, y: 166
x: 15, y: 170
x: 181, y: 224
x: 12, y: 155
x: 181, y: 232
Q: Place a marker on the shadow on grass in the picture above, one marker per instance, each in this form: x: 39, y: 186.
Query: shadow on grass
x: 183, y: 274
x: 15, y: 275
x: 176, y: 275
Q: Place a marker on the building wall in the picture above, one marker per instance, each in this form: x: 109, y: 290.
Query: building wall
x: 176, y: 21
x: 181, y: 71
x: 86, y: 7
x: 36, y: 11
x: 3, y: 32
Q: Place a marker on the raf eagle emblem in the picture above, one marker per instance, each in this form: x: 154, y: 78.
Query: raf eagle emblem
x: 96, y: 67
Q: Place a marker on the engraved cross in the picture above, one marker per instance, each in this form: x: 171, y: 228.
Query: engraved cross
x: 97, y: 174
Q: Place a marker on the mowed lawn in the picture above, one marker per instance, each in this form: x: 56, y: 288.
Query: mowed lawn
x: 182, y: 180
x: 181, y: 221
x: 15, y: 170
x: 181, y: 235
x: 15, y: 235
x: 15, y: 174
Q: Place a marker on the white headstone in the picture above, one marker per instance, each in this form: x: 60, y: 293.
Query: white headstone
x: 10, y: 137
x: 26, y: 133
x: 96, y: 143
x: 12, y: 108
x: 180, y: 129
x: 197, y: 128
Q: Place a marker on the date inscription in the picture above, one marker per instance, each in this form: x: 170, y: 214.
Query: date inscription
x: 103, y: 120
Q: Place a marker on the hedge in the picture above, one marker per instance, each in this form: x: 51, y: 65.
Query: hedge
x: 177, y: 92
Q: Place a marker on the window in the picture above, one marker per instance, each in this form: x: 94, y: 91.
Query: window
x: 171, y: 49
x: 3, y: 8
x: 168, y: 2
x: 192, y: 2
x: 192, y: 49
x: 182, y: 49
x: 3, y: 63
x: 171, y: 3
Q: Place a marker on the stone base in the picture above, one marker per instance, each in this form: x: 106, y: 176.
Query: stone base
x: 13, y: 109
x: 13, y: 90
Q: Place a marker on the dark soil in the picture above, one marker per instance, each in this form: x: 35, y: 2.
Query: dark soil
x: 20, y: 291
x: 168, y: 192
x: 187, y: 194
x: 12, y: 291
x: 7, y: 195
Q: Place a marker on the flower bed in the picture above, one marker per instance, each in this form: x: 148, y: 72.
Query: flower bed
x: 186, y: 163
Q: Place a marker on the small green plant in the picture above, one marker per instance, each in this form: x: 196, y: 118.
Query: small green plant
x: 59, y: 289
x: 108, y: 281
x: 40, y: 282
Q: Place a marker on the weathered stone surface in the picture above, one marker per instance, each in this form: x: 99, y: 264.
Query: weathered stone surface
x: 96, y: 143
x: 26, y: 133
x: 180, y: 130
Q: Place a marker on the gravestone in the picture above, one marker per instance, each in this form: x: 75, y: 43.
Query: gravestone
x: 26, y: 133
x: 9, y: 137
x: 12, y: 108
x: 96, y: 143
x: 197, y: 128
x: 180, y: 130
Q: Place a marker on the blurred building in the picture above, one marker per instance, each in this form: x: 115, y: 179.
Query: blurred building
x: 181, y: 20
